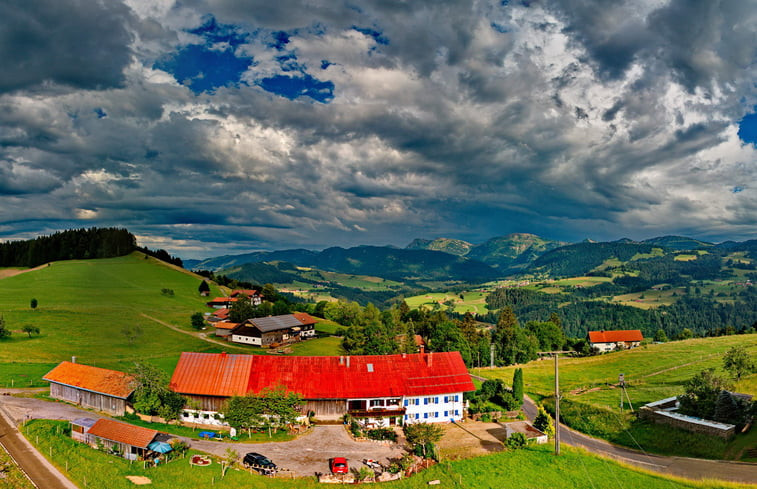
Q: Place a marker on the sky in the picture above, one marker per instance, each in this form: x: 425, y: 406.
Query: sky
x: 210, y: 127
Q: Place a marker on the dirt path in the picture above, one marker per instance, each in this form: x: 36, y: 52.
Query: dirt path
x: 196, y: 334
x: 680, y: 366
x: 11, y: 272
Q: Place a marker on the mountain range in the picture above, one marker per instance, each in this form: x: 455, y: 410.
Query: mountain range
x: 451, y: 259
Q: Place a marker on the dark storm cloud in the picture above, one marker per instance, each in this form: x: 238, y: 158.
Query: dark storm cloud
x: 77, y: 43
x: 463, y: 119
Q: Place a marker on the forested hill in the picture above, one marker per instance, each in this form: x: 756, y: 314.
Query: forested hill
x: 68, y: 245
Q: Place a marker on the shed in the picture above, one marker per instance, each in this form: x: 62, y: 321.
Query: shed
x: 91, y: 387
x: 125, y: 439
x: 532, y: 434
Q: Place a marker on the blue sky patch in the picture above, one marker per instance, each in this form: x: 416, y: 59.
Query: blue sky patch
x: 292, y: 87
x: 737, y: 190
x: 748, y: 128
x: 213, y: 32
x: 376, y: 35
x: 204, y: 70
x: 100, y: 112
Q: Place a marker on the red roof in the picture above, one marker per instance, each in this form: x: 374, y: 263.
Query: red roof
x: 615, y: 336
x: 135, y: 436
x: 247, y: 292
x: 361, y: 376
x: 305, y: 318
x: 101, y: 380
x: 212, y: 374
x: 225, y: 325
x: 221, y: 313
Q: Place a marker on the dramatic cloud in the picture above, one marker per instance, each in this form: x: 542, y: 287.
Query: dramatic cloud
x: 208, y: 127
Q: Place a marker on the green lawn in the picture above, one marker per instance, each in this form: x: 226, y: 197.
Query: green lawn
x: 11, y: 476
x: 652, y: 372
x: 530, y: 468
x: 472, y: 301
x: 84, y: 307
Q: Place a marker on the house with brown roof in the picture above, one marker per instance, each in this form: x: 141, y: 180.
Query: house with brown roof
x: 396, y: 388
x: 91, y: 387
x: 604, y: 341
x: 286, y: 328
x: 123, y: 439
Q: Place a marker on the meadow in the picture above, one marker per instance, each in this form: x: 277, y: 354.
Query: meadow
x: 591, y: 397
x: 531, y: 468
x: 108, y: 313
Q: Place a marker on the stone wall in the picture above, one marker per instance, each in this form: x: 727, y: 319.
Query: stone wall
x: 694, y: 425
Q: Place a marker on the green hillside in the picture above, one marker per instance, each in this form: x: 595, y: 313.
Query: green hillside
x: 591, y: 400
x: 88, y: 307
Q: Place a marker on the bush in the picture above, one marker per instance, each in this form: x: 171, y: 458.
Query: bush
x: 516, y: 441
x: 381, y: 434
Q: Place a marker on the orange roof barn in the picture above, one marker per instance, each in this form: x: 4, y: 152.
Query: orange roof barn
x: 100, y: 380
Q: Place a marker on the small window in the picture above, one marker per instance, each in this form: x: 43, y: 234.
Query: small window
x: 370, y: 367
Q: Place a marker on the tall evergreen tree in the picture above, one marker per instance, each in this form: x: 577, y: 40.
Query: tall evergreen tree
x: 518, y: 384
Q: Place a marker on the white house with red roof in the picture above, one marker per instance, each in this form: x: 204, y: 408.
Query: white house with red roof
x: 403, y: 387
x: 604, y: 341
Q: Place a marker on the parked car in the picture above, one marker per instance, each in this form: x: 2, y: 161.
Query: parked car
x: 260, y: 463
x: 338, y: 465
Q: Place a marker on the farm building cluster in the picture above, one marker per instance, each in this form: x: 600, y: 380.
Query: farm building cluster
x: 391, y: 389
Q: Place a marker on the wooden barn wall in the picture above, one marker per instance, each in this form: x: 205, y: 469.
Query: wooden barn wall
x: 92, y: 400
x: 207, y: 403
x: 325, y: 409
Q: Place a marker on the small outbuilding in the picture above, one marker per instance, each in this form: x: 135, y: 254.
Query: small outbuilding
x: 124, y: 439
x: 532, y: 434
x: 91, y: 387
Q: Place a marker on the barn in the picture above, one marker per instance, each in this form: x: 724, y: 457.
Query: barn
x: 91, y: 387
x: 396, y: 388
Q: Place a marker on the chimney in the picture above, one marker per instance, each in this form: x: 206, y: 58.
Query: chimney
x: 430, y: 359
x: 404, y: 355
x: 348, y: 361
x: 223, y: 354
x: 73, y: 359
x: 341, y: 360
x: 421, y: 349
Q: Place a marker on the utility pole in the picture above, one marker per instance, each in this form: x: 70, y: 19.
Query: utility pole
x: 557, y: 396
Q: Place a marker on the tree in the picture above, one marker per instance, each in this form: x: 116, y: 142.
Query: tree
x: 204, y: 288
x: 242, y: 310
x: 229, y: 459
x: 544, y: 423
x: 738, y: 362
x: 33, y: 303
x: 516, y: 441
x: 4, y: 333
x: 685, y: 334
x: 518, y: 385
x: 701, y: 394
x: 132, y: 333
x: 423, y: 435
x: 152, y: 395
x: 30, y: 330
x: 273, y: 407
x: 660, y: 336
x: 198, y: 320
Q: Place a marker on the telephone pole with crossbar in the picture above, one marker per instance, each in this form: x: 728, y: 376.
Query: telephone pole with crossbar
x: 557, y: 396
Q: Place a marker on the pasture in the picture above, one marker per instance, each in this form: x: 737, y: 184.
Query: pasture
x: 589, y: 388
x: 97, y: 310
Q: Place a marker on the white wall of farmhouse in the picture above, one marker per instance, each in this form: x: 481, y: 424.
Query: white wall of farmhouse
x: 434, y: 409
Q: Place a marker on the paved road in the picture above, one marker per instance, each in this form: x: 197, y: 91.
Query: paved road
x: 36, y: 467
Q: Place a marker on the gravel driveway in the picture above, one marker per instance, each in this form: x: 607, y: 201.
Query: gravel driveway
x: 303, y: 456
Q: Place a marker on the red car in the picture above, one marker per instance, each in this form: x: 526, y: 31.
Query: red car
x: 338, y: 465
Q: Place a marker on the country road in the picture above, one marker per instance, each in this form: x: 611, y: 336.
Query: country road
x: 689, y: 468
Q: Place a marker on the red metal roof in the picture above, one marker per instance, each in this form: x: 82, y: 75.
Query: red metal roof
x: 123, y: 432
x: 212, y: 374
x: 101, y: 380
x: 361, y: 376
x: 305, y: 318
x: 615, y: 336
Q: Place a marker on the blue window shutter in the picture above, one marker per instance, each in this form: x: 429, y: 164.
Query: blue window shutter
x: 425, y: 400
x: 456, y: 397
x: 425, y: 415
x: 406, y: 403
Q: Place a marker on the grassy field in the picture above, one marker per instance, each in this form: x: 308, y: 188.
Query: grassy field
x: 11, y: 476
x: 471, y: 301
x: 530, y: 468
x: 86, y: 307
x: 652, y: 372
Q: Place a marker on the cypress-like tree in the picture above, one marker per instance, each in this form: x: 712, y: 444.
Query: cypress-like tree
x: 518, y: 384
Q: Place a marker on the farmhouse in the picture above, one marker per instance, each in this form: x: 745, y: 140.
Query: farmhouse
x: 119, y: 438
x: 287, y: 328
x: 405, y: 387
x: 252, y: 294
x: 91, y: 387
x: 604, y: 341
